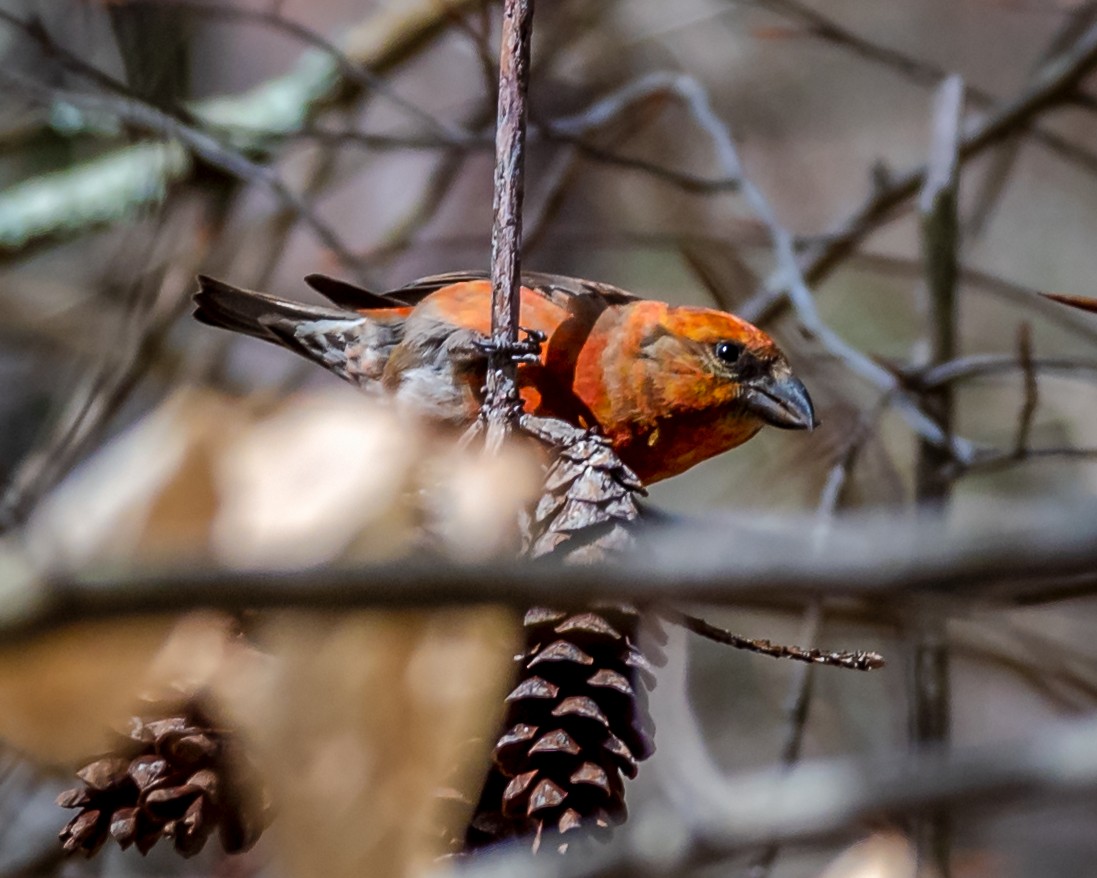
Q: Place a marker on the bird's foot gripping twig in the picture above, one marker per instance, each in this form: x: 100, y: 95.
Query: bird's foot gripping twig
x: 525, y: 350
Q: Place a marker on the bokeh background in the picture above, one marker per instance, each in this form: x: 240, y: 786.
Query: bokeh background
x: 142, y: 143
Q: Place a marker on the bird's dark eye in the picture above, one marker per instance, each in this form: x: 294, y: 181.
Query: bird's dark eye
x: 728, y: 351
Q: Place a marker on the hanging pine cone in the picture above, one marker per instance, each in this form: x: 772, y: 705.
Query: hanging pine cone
x: 179, y: 777
x: 577, y: 722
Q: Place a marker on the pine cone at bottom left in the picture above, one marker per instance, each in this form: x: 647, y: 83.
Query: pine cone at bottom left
x: 179, y: 777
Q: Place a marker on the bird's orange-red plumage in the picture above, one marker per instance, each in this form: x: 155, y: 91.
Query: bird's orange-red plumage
x: 670, y: 386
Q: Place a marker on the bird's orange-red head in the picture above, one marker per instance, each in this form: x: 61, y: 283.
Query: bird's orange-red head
x: 672, y: 386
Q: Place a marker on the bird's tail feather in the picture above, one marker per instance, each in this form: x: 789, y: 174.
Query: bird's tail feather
x: 351, y: 345
x: 256, y: 314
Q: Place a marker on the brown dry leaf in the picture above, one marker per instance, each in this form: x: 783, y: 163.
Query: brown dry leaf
x: 61, y: 694
x: 474, y: 500
x: 147, y: 495
x: 320, y: 474
x: 367, y: 717
x: 316, y: 478
x: 884, y: 855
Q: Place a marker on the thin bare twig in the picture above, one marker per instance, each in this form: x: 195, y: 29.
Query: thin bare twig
x: 439, y: 184
x: 925, y: 73
x: 1004, y: 158
x: 566, y: 169
x: 355, y: 73
x: 506, y: 235
x: 1082, y: 303
x: 990, y: 461
x: 796, y: 716
x: 145, y: 326
x: 479, y: 36
x: 76, y: 200
x: 840, y: 471
x: 822, y: 798
x: 981, y: 365
x: 854, y: 660
x: 940, y: 245
x: 930, y: 700
x: 1031, y: 390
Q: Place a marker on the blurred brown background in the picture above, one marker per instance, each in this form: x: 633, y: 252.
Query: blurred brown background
x: 110, y: 202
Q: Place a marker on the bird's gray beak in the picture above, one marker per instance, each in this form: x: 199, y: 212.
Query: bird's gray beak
x: 780, y: 398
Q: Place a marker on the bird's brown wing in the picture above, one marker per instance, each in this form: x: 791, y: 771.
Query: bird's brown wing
x: 557, y: 287
x: 350, y: 296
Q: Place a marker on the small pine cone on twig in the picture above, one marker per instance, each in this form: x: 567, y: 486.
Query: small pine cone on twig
x: 178, y: 776
x: 577, y: 722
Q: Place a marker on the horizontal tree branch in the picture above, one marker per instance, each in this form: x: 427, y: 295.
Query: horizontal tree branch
x: 727, y: 559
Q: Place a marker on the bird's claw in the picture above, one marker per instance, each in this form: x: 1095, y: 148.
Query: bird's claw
x: 525, y: 350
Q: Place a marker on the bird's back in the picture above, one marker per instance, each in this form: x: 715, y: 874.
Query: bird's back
x: 421, y: 342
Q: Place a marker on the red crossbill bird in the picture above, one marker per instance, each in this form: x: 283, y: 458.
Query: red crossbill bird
x: 669, y: 386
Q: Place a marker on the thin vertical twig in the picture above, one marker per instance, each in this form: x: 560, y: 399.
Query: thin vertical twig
x: 506, y: 234
x: 930, y: 700
x: 797, y: 708
x: 940, y: 237
x: 802, y: 690
x: 1031, y: 391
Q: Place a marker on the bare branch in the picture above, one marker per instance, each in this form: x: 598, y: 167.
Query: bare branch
x: 142, y: 331
x: 359, y: 75
x: 1044, y: 553
x: 150, y: 120
x: 1049, y: 89
x: 77, y: 199
x: 990, y: 461
x: 980, y: 365
x: 930, y: 684
x: 940, y: 246
x: 1032, y: 390
x: 1082, y: 303
x: 1004, y: 158
x: 855, y: 660
x: 506, y: 235
x: 796, y: 716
